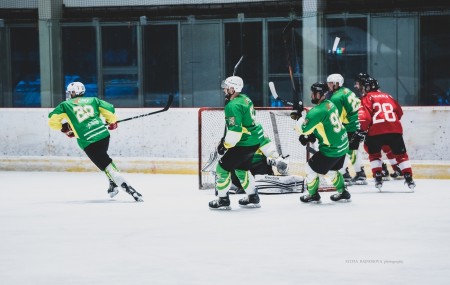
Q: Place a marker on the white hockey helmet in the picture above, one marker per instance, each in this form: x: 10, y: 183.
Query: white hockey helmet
x: 336, y: 78
x: 75, y: 89
x: 233, y: 81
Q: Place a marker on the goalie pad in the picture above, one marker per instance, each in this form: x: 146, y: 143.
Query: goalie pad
x: 272, y: 184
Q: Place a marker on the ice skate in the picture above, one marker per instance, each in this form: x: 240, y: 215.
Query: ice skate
x: 347, y: 178
x: 251, y: 201
x: 221, y: 203
x: 315, y: 198
x: 409, y: 181
x: 397, y: 174
x: 378, y: 180
x: 130, y: 190
x: 385, y: 172
x: 341, y: 197
x: 113, y: 190
x: 360, y: 178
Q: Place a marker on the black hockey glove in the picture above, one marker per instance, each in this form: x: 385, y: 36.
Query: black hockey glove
x: 221, y: 149
x: 356, y: 139
x: 67, y: 130
x: 306, y: 139
x: 297, y: 111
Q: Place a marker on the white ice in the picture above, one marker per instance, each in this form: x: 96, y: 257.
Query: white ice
x: 62, y: 228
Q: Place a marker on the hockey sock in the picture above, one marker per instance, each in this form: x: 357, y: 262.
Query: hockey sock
x: 247, y: 181
x: 338, y: 180
x: 312, y: 180
x: 113, y: 173
x: 357, y: 161
x: 223, y: 181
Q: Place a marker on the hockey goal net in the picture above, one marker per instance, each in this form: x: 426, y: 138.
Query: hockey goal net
x: 277, y: 124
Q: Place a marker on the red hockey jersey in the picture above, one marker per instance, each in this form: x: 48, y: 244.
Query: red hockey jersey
x: 379, y: 114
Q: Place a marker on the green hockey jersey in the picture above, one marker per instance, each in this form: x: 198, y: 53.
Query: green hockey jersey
x: 242, y: 129
x: 83, y: 116
x: 348, y: 105
x: 323, y: 120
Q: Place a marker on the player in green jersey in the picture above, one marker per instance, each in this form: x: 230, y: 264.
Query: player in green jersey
x: 322, y: 123
x: 242, y: 139
x: 82, y: 120
x: 348, y: 104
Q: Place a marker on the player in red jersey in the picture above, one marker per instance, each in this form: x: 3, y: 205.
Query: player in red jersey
x: 396, y: 172
x: 379, y: 116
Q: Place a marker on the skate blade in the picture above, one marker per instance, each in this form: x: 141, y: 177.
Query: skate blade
x: 138, y: 199
x: 312, y: 202
x: 223, y: 208
x: 343, y: 200
x: 386, y: 178
x: 113, y: 194
x: 250, y: 206
x: 360, y: 182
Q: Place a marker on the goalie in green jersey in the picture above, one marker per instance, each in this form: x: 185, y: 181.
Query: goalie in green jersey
x: 242, y: 139
x: 322, y: 123
x: 80, y: 117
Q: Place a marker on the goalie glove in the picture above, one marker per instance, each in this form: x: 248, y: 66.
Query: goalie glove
x: 281, y: 164
x: 356, y: 139
x: 304, y: 139
x: 67, y: 130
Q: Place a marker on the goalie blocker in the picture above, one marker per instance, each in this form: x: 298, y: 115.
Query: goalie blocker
x: 273, y: 184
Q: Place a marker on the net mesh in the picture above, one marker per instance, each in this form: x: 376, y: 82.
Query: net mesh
x: 278, y: 126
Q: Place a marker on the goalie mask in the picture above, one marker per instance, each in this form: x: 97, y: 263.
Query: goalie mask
x: 75, y: 89
x: 318, y: 87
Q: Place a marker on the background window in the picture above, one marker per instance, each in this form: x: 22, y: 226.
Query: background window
x: 160, y: 65
x: 245, y: 39
x: 120, y: 65
x: 435, y: 56
x: 80, y: 58
x: 351, y: 56
x: 25, y: 70
x: 278, y: 64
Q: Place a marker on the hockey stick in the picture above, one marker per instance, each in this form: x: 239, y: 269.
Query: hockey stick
x: 169, y: 103
x: 274, y: 93
x: 237, y: 65
x: 335, y: 44
x: 276, y: 135
x: 290, y: 30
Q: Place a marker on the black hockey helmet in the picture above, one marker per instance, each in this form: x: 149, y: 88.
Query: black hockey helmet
x: 361, y: 77
x: 320, y: 87
x: 371, y: 84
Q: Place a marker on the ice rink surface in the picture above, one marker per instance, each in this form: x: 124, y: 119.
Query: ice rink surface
x: 62, y: 228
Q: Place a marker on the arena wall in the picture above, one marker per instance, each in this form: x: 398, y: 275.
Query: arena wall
x: 168, y: 142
